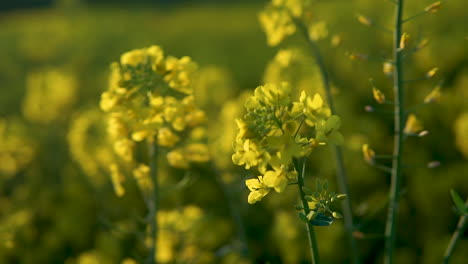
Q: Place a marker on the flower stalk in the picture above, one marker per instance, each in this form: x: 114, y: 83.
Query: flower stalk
x: 153, y: 204
x: 314, y: 253
x: 461, y: 226
x: 399, y: 123
x: 341, y: 174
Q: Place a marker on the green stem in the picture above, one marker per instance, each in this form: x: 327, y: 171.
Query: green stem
x: 314, y: 253
x: 234, y: 211
x: 456, y: 236
x: 399, y: 112
x: 153, y: 203
x: 341, y: 174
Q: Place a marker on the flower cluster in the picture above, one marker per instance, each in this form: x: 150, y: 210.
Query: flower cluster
x: 150, y: 98
x: 16, y: 148
x: 277, y: 20
x: 273, y: 132
x: 50, y: 94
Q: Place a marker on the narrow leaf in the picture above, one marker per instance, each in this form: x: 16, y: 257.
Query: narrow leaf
x: 458, y: 201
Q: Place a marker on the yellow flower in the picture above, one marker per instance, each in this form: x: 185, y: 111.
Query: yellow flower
x: 141, y: 135
x: 197, y: 152
x: 432, y: 72
x: 277, y: 24
x: 368, y: 153
x: 117, y: 179
x: 318, y: 31
x: 124, y: 149
x: 133, y: 57
x: 143, y: 178
x: 404, y: 40
x: 177, y: 159
x: 433, y: 96
x: 257, y: 188
x: 246, y: 155
x: 434, y: 7
x: 195, y: 118
x: 364, y: 20
x: 278, y: 178
x: 179, y: 73
x: 116, y: 128
x: 167, y: 138
x: 388, y: 68
x: 378, y: 95
x: 413, y: 125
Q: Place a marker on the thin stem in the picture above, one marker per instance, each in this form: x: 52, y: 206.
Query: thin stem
x: 462, y: 223
x: 234, y: 211
x: 153, y: 203
x: 314, y: 253
x: 382, y: 167
x: 394, y: 197
x: 414, y: 16
x: 341, y: 174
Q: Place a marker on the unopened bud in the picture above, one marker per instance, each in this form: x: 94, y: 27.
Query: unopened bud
x: 341, y: 196
x: 368, y: 153
x: 337, y: 215
x: 433, y: 164
x: 423, y: 43
x: 378, y: 95
x: 388, y: 68
x: 336, y: 40
x: 364, y: 20
x: 423, y: 133
x: 369, y: 108
x: 357, y: 56
x: 413, y: 125
x: 404, y: 40
x: 434, y: 7
x: 311, y: 215
x: 433, y: 96
x: 432, y: 72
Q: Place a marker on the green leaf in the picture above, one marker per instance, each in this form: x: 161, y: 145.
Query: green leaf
x: 308, y: 198
x: 325, y: 185
x: 318, y: 185
x: 307, y: 190
x: 457, y: 200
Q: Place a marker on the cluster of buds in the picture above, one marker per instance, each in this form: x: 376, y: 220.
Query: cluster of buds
x: 273, y: 132
x: 320, y: 201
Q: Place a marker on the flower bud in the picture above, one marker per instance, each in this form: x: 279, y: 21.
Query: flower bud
x: 388, y: 68
x: 434, y: 7
x: 364, y: 20
x: 368, y: 153
x: 433, y: 164
x: 433, y: 96
x: 378, y: 95
x: 404, y: 40
x: 432, y: 72
x: 337, y: 215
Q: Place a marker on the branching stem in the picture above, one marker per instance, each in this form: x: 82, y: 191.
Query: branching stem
x: 310, y: 228
x: 399, y: 122
x: 341, y: 174
x: 153, y: 204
